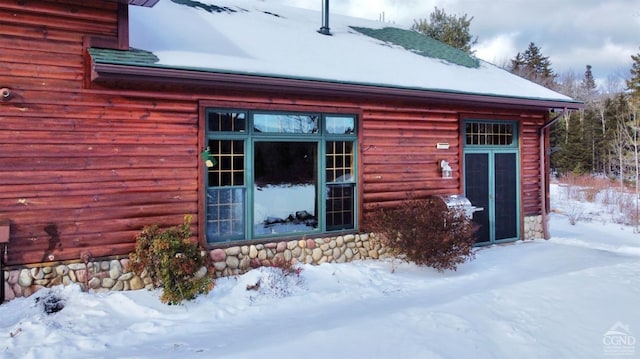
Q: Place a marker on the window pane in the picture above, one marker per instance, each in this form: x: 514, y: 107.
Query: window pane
x: 229, y: 169
x: 494, y: 134
x: 285, y: 187
x: 341, y: 125
x: 225, y: 214
x: 226, y: 121
x: 275, y: 123
x: 340, y: 214
x: 339, y: 161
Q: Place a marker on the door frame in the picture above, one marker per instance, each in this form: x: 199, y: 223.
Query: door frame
x: 491, y: 150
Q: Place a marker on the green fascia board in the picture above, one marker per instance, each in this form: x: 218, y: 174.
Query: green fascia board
x: 123, y: 57
x: 420, y: 44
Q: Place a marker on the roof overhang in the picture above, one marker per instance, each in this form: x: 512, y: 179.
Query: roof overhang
x: 119, y: 74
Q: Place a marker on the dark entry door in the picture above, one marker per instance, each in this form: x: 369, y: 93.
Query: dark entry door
x: 491, y: 182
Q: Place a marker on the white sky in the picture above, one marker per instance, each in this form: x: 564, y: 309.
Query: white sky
x: 573, y: 33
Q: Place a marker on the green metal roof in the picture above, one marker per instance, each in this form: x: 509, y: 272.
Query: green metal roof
x: 130, y: 57
x: 421, y: 45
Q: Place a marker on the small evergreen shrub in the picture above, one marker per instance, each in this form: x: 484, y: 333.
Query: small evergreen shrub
x: 424, y: 231
x: 173, y: 262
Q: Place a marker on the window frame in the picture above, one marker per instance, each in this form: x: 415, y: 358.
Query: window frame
x: 250, y: 137
x: 515, y: 140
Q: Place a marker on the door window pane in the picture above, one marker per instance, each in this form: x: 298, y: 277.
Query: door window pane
x: 506, y: 202
x: 477, y: 191
x: 285, y: 187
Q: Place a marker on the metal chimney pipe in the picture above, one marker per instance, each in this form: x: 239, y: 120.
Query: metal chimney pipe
x: 325, y: 18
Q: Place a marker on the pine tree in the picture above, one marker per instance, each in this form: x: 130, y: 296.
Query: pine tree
x: 633, y: 84
x: 579, y: 135
x: 588, y: 84
x: 576, y: 156
x: 592, y: 131
x: 450, y: 29
x: 532, y: 65
x: 517, y: 63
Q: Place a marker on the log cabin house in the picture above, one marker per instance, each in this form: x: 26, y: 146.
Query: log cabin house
x: 268, y: 124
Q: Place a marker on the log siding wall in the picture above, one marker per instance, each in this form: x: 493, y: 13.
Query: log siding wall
x: 95, y: 165
x: 530, y: 164
x: 399, y: 153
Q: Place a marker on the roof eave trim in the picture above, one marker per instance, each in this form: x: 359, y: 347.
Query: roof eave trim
x: 109, y: 73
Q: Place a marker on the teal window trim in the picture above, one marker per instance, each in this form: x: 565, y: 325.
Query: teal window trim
x: 321, y: 138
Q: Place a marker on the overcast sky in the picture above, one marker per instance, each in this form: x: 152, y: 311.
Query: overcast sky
x: 573, y: 33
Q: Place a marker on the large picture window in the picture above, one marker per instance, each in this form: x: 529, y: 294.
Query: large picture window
x: 279, y: 174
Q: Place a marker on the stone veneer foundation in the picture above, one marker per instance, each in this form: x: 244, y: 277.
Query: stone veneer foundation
x: 533, y: 227
x: 114, y: 274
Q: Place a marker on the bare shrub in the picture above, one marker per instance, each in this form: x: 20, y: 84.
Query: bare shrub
x: 619, y: 202
x: 574, y: 213
x: 585, y: 187
x: 589, y: 194
x: 277, y: 280
x: 608, y: 197
x: 424, y: 231
x: 627, y: 209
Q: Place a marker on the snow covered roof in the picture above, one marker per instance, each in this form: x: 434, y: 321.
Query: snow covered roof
x: 265, y: 38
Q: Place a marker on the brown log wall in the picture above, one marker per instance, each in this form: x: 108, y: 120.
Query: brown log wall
x: 100, y: 163
x: 95, y: 164
x: 530, y: 164
x: 399, y: 153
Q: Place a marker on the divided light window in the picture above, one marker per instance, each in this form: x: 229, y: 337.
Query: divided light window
x: 279, y: 174
x: 490, y: 133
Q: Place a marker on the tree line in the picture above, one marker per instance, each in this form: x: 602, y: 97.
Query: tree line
x: 603, y: 138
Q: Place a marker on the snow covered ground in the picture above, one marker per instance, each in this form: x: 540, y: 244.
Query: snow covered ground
x: 574, y: 296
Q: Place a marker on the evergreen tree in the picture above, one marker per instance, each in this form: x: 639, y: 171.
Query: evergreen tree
x: 532, y: 65
x: 576, y: 156
x: 579, y: 137
x: 592, y: 131
x: 539, y: 64
x: 517, y: 63
x: 633, y: 84
x: 450, y: 29
x: 588, y: 88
